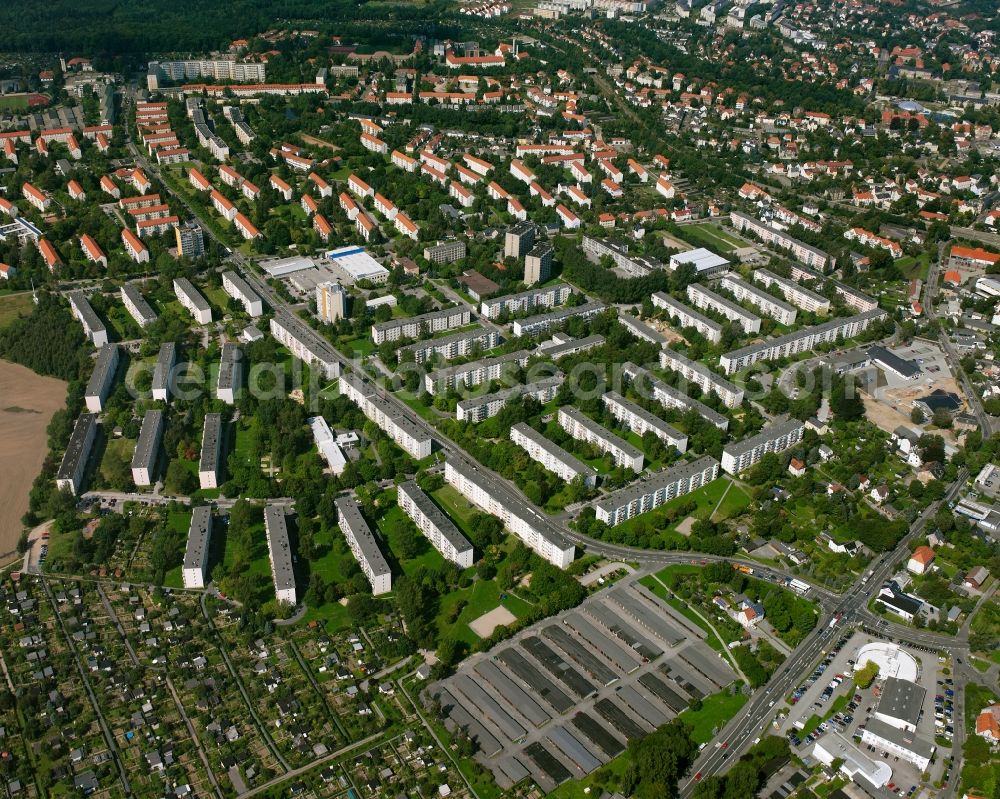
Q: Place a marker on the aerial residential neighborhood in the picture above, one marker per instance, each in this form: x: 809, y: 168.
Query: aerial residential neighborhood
x: 498, y: 400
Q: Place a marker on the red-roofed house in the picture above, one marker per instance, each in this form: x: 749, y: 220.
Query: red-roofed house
x: 49, y: 255
x: 405, y: 226
x: 988, y: 724
x: 36, y: 197
x: 136, y: 249
x: 322, y: 227
x: 76, y: 191
x: 281, y: 187
x: 245, y: 227
x: 920, y: 560
x: 93, y: 250
x: 110, y: 187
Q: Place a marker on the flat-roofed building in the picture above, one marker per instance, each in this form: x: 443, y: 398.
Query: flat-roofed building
x: 798, y: 341
x: 738, y: 456
x: 799, y: 296
x: 810, y: 256
x: 93, y: 327
x: 640, y: 421
x: 210, y: 463
x: 705, y: 298
x: 362, y: 542
x: 703, y: 377
x: 331, y: 301
x: 669, y: 397
x: 890, y: 362
x: 196, y: 553
x: 518, y: 240
x: 237, y: 288
x: 538, y: 263
x: 905, y: 744
x: 684, y: 316
x: 227, y: 387
x: 163, y: 382
x: 766, y: 303
x: 705, y: 262
x: 900, y: 704
x: 628, y: 263
x: 397, y: 424
x: 517, y: 516
x: 147, y: 448
x: 561, y: 345
x: 136, y: 305
x: 446, y: 252
x: 280, y: 554
x: 421, y: 325
x: 583, y: 428
x: 305, y: 343
x: 99, y: 385
x: 435, y: 524
x: 652, y: 491
x: 458, y: 345
x: 74, y: 461
x: 525, y: 301
x: 551, y: 456
x: 193, y: 300
x: 641, y: 330
x: 535, y: 325
x: 326, y: 443
x: 476, y: 409
x: 475, y: 373
x: 190, y: 240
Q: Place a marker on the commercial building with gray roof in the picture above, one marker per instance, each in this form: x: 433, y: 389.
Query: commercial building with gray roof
x: 900, y: 703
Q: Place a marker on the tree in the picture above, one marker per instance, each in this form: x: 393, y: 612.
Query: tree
x: 661, y: 759
x: 179, y: 480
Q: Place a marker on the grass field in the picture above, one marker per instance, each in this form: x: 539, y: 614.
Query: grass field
x: 708, y: 498
x: 14, y: 305
x: 456, y: 506
x: 587, y: 788
x: 715, y: 711
x: 711, y: 236
x: 394, y: 526
x: 14, y: 102
x: 178, y: 521
x: 479, y: 598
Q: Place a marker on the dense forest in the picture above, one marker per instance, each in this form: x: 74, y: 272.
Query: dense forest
x: 48, y: 341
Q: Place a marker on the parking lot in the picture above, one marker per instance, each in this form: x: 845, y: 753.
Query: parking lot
x: 829, y: 701
x: 567, y: 695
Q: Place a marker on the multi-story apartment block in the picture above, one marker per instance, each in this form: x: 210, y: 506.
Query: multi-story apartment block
x: 474, y: 373
x: 670, y: 397
x: 99, y: 385
x: 526, y: 301
x: 421, y: 325
x: 640, y: 329
x: 190, y: 240
x: 193, y: 300
x: 518, y: 240
x: 280, y: 554
x: 136, y: 305
x: 362, y: 542
x: 536, y: 325
x: 196, y: 552
x: 810, y: 256
x: 583, y: 428
x: 435, y: 525
x: 640, y: 421
x: 799, y: 341
x: 215, y: 68
x: 858, y: 300
x: 688, y: 317
x: 446, y: 252
x: 551, y: 456
x: 538, y: 263
x: 136, y: 250
x: 651, y: 492
x: 92, y: 325
x: 522, y: 520
x: 162, y: 383
x: 210, y: 462
x: 227, y: 386
x: 738, y: 456
x: 412, y: 438
x: 703, y: 377
x: 305, y: 343
x: 798, y: 295
x: 704, y: 298
x: 458, y: 345
x: 74, y: 461
x: 768, y: 304
x: 331, y: 301
x: 147, y: 448
x: 631, y: 265
x: 237, y: 288
x: 475, y: 409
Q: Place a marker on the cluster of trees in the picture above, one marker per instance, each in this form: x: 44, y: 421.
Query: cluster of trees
x: 759, y: 663
x: 747, y: 776
x: 48, y: 341
x: 657, y: 762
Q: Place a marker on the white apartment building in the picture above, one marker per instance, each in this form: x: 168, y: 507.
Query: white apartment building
x: 92, y: 325
x: 147, y: 448
x: 435, y: 525
x: 583, y: 428
x: 810, y: 256
x: 640, y: 421
x: 412, y: 438
x: 99, y: 385
x: 305, y: 343
x: 858, y: 300
x: 215, y: 68
x: 768, y: 305
x: 684, y: 316
x: 738, y: 456
x: 475, y: 409
x: 704, y: 298
x: 651, y: 492
x: 237, y: 288
x: 364, y: 546
x: 74, y: 462
x: 670, y: 397
x: 421, y: 325
x: 193, y: 300
x: 280, y: 554
x: 536, y: 325
x: 331, y: 301
x: 136, y: 305
x: 523, y: 521
x: 458, y: 345
x: 551, y: 456
x: 162, y: 372
x: 525, y: 301
x: 802, y: 340
x: 474, y: 373
x: 799, y: 296
x: 196, y: 552
x: 210, y: 465
x: 227, y: 385
x: 703, y: 377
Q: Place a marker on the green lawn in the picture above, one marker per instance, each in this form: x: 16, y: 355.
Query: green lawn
x: 711, y: 236
x: 608, y: 775
x: 395, y: 525
x: 13, y: 306
x: 707, y: 498
x: 715, y: 711
x: 331, y: 554
x: 14, y: 102
x: 479, y: 598
x: 914, y: 267
x: 178, y: 521
x: 456, y: 506
x: 362, y: 345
